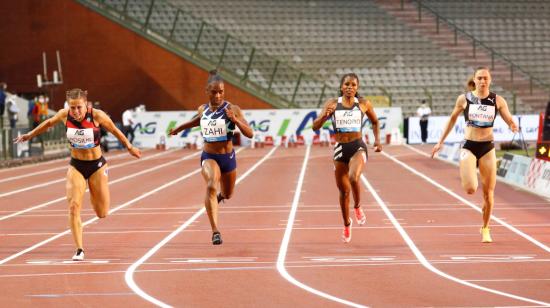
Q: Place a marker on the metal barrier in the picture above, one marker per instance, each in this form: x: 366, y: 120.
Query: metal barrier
x: 51, y: 141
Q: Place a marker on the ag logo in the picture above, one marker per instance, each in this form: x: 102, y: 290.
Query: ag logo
x: 482, y: 108
x: 212, y: 123
x: 348, y: 113
x: 79, y: 132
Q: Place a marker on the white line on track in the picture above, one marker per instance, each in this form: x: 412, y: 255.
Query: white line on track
x: 466, y: 202
x: 142, y: 196
x: 129, y: 275
x: 133, y: 161
x: 286, y: 239
x: 34, y: 173
x: 427, y: 263
x: 110, y: 183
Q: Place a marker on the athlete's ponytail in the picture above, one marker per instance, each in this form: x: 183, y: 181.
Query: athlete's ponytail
x: 470, y: 84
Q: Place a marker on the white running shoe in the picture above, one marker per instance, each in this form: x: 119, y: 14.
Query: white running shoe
x: 79, y: 255
x: 346, y: 234
x: 485, y: 235
x: 360, y: 216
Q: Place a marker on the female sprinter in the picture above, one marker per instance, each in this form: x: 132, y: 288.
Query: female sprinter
x: 480, y: 107
x: 87, y: 163
x: 217, y: 120
x: 350, y: 152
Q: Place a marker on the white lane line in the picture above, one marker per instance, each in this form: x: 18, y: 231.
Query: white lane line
x: 466, y: 202
x: 133, y: 161
x: 110, y: 183
x: 286, y: 239
x: 78, y: 294
x: 34, y: 173
x: 142, y: 196
x: 129, y: 275
x: 427, y: 263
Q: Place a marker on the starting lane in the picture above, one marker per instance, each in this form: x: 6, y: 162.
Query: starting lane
x: 379, y: 264
x: 454, y: 241
x: 243, y: 267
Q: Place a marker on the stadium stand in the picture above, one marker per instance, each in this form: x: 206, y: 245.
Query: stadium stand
x: 297, y: 38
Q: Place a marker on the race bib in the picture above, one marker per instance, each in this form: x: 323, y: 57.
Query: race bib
x: 81, y: 138
x: 481, y: 115
x: 348, y: 120
x: 213, y: 130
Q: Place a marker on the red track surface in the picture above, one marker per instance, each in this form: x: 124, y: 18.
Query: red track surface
x: 377, y: 268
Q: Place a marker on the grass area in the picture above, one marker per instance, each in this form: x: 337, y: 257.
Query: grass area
x: 500, y: 153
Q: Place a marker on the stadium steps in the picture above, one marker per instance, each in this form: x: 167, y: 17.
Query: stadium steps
x: 463, y: 50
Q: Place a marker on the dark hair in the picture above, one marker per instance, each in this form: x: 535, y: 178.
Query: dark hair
x: 353, y: 75
x: 213, y: 77
x: 470, y: 84
x: 76, y: 94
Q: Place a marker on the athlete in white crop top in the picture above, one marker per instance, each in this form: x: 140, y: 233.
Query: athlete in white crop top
x: 480, y: 107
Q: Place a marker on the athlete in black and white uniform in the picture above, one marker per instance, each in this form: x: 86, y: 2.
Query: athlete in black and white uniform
x: 480, y: 107
x: 350, y: 152
x: 217, y: 120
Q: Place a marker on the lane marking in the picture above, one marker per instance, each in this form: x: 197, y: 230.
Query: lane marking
x: 78, y: 294
x: 286, y: 239
x: 129, y: 274
x: 134, y: 161
x: 124, y: 178
x: 466, y: 202
x: 427, y: 263
x: 114, y: 210
x: 34, y: 173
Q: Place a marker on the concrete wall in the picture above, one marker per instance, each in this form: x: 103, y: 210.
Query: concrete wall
x: 119, y: 68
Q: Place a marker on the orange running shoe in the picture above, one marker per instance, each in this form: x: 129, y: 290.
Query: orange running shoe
x: 360, y: 216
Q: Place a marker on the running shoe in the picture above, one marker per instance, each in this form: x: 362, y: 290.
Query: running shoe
x: 220, y: 198
x: 346, y: 234
x: 216, y: 238
x: 360, y: 216
x: 485, y: 235
x: 79, y: 255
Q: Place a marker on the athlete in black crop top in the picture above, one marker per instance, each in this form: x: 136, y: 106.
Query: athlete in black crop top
x: 350, y: 151
x: 480, y: 107
x: 87, y: 165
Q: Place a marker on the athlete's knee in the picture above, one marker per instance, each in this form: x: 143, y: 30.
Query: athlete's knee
x: 470, y: 188
x: 74, y: 208
x: 344, y: 192
x: 211, y: 187
x: 353, y: 180
x: 102, y: 213
x: 227, y: 195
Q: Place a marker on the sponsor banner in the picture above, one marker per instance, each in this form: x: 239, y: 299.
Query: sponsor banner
x: 517, y: 169
x: 275, y: 123
x: 505, y: 163
x: 450, y: 152
x: 436, y: 124
x: 538, y: 177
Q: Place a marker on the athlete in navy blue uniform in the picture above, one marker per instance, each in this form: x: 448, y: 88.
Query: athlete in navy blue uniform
x: 87, y: 164
x: 350, y: 152
x: 217, y: 120
x: 480, y: 107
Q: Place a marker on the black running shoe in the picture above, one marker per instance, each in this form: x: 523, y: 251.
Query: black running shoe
x: 216, y: 238
x: 220, y: 198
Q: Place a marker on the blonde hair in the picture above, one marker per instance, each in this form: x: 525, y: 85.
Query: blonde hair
x: 76, y: 94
